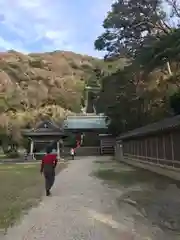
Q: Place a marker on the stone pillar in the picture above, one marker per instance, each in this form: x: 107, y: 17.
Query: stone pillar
x: 32, y: 149
x: 58, y: 151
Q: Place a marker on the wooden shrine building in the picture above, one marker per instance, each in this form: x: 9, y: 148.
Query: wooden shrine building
x: 46, y: 135
x: 92, y: 131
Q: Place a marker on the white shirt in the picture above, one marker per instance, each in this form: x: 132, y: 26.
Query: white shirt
x: 72, y: 151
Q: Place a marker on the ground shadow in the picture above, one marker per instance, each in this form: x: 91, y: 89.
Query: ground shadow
x: 159, y: 207
x: 131, y: 176
x: 157, y: 197
x: 102, y: 161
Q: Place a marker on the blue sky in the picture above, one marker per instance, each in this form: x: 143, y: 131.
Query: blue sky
x: 48, y: 25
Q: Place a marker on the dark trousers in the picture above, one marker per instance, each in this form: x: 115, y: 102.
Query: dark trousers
x: 49, y: 175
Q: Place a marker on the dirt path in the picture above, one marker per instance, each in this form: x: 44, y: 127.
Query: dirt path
x: 83, y: 207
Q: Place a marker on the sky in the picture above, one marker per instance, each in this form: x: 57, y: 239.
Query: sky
x: 49, y: 25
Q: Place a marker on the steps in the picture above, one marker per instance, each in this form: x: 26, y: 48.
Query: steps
x: 107, y: 146
x: 88, y: 151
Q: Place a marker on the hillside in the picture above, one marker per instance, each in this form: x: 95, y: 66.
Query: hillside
x: 46, y: 77
x: 43, y: 84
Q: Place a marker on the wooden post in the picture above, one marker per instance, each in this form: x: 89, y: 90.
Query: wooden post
x: 164, y: 149
x: 172, y: 148
x: 101, y: 146
x: 131, y: 148
x: 141, y: 149
x: 151, y: 149
x: 157, y: 151
x: 145, y: 149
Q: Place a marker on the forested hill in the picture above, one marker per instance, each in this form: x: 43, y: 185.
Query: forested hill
x: 39, y: 79
x: 39, y: 85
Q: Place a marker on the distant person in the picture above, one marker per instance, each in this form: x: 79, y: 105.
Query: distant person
x: 72, y: 152
x: 48, y: 165
x: 78, y: 143
x: 54, y: 151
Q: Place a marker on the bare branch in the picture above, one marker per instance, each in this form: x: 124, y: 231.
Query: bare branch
x: 175, y: 7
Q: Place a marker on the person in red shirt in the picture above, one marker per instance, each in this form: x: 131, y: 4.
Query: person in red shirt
x: 48, y: 165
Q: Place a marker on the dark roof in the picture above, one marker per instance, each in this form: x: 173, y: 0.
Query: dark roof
x: 164, y: 125
x: 44, y: 128
x: 43, y: 132
x: 47, y: 124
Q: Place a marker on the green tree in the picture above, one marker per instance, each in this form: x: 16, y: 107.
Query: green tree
x: 131, y: 25
x: 138, y: 94
x: 164, y: 49
x: 175, y: 102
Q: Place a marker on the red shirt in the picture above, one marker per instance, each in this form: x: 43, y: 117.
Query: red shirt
x: 49, y: 159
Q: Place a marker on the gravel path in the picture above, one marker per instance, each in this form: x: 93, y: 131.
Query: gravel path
x: 81, y: 207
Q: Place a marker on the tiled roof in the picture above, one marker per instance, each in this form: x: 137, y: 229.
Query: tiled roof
x: 85, y: 122
x: 164, y: 125
x: 43, y: 132
x: 44, y: 128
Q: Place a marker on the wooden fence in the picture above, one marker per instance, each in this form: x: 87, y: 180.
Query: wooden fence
x: 157, y: 144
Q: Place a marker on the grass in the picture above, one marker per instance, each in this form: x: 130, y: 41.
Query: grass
x: 133, y: 176
x: 21, y: 188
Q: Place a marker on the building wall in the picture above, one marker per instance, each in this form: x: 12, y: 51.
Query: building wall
x: 162, y: 149
x: 91, y: 139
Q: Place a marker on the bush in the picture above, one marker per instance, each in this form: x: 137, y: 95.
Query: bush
x: 12, y: 155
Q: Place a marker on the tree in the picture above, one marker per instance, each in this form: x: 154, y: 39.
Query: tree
x: 119, y: 102
x: 131, y: 25
x: 138, y: 94
x: 164, y: 49
x: 175, y: 102
x: 175, y: 11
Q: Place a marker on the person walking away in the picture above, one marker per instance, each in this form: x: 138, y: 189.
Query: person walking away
x: 48, y: 165
x: 72, y: 153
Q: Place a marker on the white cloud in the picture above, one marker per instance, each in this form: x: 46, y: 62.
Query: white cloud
x: 31, y: 20
x: 56, y: 36
x: 51, y: 21
x: 29, y: 4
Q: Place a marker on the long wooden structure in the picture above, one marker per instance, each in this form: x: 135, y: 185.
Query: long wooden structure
x: 155, y: 145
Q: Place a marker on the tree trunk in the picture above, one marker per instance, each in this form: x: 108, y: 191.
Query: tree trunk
x: 169, y: 68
